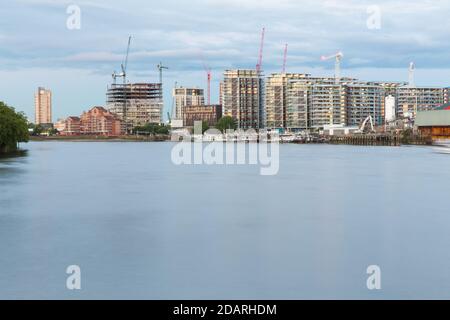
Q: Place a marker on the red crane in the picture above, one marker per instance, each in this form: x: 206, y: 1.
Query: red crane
x: 208, y: 74
x: 261, y: 48
x: 285, y: 58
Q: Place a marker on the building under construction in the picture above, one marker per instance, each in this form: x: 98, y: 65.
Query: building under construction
x: 300, y: 102
x: 242, y: 97
x: 363, y: 99
x: 411, y: 100
x: 136, y: 104
x: 276, y: 96
x: 308, y: 103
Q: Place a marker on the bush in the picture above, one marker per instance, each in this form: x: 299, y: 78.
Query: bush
x: 151, y: 128
x: 226, y: 123
x: 407, y: 136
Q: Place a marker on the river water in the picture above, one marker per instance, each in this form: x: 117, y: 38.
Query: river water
x: 140, y: 227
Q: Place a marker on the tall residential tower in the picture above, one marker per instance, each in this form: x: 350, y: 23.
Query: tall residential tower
x: 186, y: 97
x: 43, y: 106
x: 242, y: 97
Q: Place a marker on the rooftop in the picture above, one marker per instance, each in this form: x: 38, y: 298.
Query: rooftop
x: 433, y: 118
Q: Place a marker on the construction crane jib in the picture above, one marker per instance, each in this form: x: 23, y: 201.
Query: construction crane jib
x: 337, y: 67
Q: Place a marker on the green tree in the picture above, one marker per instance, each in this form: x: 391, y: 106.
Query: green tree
x: 53, y: 132
x: 37, y: 130
x: 151, y: 128
x: 13, y: 128
x: 226, y: 123
x: 162, y: 129
x: 205, y: 126
x: 407, y: 136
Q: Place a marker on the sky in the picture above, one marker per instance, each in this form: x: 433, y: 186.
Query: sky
x: 41, y: 44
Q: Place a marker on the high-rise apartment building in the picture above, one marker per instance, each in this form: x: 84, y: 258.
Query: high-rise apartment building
x: 186, y: 97
x: 43, y: 106
x: 299, y: 101
x: 315, y: 103
x: 411, y: 100
x: 242, y: 95
x: 446, y: 95
x: 276, y: 98
x: 327, y: 104
x: 297, y: 105
x: 364, y: 99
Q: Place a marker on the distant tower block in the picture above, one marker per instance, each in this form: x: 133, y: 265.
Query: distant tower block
x: 43, y: 106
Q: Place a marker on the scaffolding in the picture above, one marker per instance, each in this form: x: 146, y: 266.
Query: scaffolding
x: 136, y: 104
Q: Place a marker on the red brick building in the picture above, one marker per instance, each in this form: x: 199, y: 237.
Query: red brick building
x: 210, y: 114
x: 99, y: 121
x: 73, y: 126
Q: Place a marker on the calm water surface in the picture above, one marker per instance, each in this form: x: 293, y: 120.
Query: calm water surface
x: 141, y: 227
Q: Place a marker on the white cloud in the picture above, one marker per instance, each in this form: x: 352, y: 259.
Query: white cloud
x: 225, y: 34
x: 94, y: 57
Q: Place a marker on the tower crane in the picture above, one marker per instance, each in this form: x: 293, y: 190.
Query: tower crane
x: 208, y: 77
x: 123, y: 66
x: 411, y: 80
x: 337, y: 67
x: 174, y: 111
x: 123, y: 75
x: 261, y: 49
x: 285, y: 58
x: 161, y: 67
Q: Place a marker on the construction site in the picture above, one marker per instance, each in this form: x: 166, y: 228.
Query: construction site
x: 289, y: 103
x: 136, y: 103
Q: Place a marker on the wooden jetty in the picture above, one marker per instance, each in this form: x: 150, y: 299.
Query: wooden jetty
x: 366, y: 140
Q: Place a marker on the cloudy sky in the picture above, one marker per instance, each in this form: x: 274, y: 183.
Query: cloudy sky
x: 38, y: 49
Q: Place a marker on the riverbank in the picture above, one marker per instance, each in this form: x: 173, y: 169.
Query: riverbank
x: 130, y: 138
x: 358, y: 140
